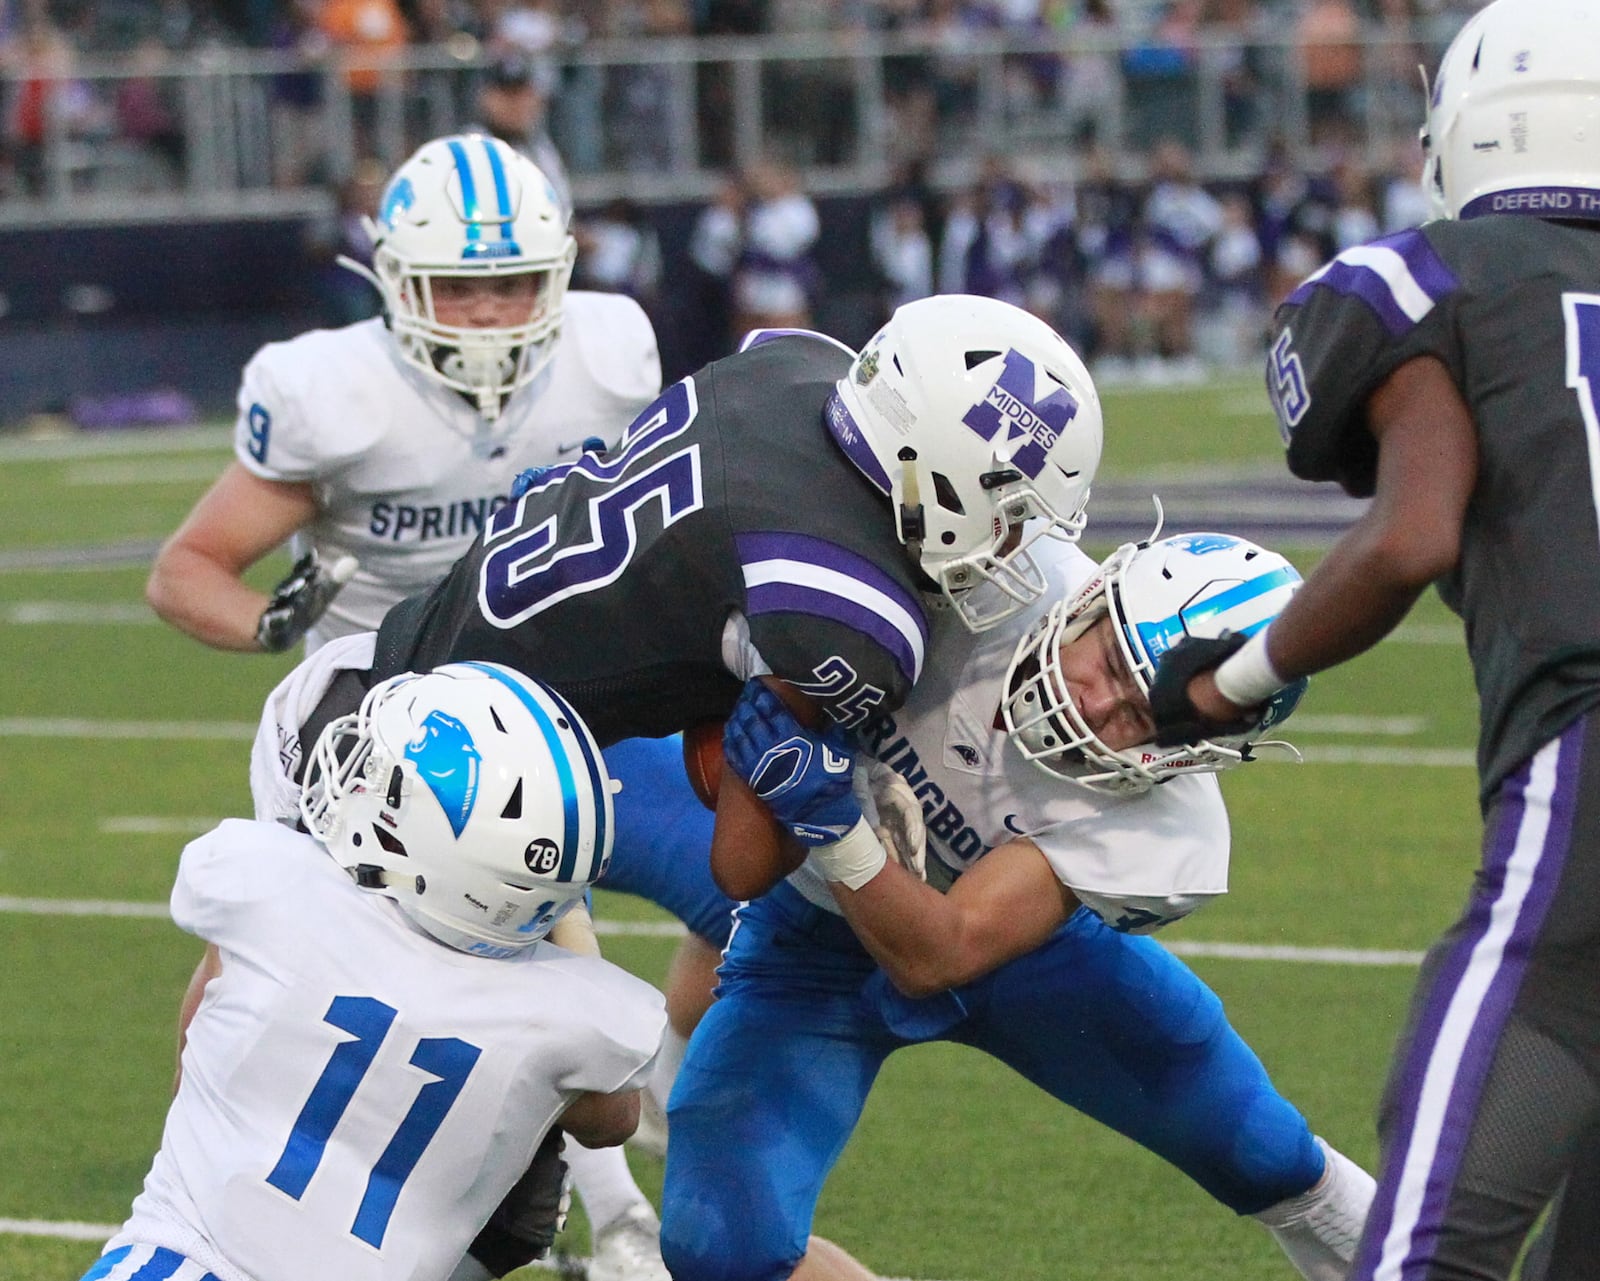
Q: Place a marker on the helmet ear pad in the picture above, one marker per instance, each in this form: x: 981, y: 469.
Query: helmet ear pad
x: 470, y: 208
x: 975, y: 418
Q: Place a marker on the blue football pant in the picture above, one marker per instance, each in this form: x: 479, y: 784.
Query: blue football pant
x: 777, y: 1074
x: 662, y: 851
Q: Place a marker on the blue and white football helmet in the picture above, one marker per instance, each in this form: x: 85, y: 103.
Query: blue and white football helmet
x: 973, y: 416
x: 1514, y: 113
x: 472, y: 796
x: 1156, y: 594
x: 469, y: 206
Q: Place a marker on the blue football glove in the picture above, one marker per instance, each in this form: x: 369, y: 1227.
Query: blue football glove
x: 803, y: 776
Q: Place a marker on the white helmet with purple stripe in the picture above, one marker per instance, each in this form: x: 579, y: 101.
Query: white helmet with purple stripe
x: 1514, y: 114
x: 472, y: 796
x: 469, y: 207
x: 982, y: 426
x: 1156, y: 593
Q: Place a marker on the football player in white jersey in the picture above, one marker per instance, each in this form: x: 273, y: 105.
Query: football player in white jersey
x: 393, y: 440
x: 1025, y: 751
x: 362, y: 1083
x: 380, y: 449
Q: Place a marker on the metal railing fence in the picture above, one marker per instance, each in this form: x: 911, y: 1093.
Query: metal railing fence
x: 237, y: 133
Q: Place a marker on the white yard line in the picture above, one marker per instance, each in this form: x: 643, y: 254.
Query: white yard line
x: 81, y: 727
x: 240, y: 731
x: 24, y: 613
x: 144, y: 472
x: 1362, y: 956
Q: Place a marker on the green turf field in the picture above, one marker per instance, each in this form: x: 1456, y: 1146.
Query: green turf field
x: 118, y: 737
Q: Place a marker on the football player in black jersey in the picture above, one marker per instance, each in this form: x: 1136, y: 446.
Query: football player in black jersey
x: 1450, y: 373
x: 795, y: 510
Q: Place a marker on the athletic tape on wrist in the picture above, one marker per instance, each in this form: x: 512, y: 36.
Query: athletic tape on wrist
x: 855, y: 858
x: 1248, y: 677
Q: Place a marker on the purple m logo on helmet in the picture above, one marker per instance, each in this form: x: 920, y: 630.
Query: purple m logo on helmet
x: 1011, y: 404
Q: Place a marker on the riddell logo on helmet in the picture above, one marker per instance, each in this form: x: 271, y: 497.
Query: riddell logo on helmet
x: 1150, y: 758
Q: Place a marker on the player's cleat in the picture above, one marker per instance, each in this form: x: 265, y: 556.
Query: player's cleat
x: 629, y: 1248
x: 651, y: 1136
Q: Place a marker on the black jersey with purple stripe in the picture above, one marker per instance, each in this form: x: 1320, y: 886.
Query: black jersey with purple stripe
x: 1511, y: 307
x: 614, y: 578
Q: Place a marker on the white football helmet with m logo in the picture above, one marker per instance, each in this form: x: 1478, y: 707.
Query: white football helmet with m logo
x: 983, y: 427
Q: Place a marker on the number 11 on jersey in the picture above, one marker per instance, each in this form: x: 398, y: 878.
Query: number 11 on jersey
x: 449, y: 1060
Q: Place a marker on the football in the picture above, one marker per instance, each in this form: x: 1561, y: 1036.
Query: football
x: 703, y: 760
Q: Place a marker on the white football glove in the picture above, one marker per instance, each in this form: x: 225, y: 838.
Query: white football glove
x: 896, y: 817
x: 300, y: 599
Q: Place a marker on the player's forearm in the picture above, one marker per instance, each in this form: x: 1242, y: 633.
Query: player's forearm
x: 749, y: 851
x: 602, y: 1120
x: 204, y: 599
x: 921, y: 939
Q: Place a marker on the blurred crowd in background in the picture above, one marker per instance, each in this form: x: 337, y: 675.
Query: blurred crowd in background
x: 1159, y: 244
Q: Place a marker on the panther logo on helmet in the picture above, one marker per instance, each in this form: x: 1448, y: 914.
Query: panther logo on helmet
x: 493, y: 797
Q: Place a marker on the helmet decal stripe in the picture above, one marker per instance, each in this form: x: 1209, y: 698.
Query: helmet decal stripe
x: 571, y: 834
x: 597, y: 783
x: 1155, y: 638
x: 843, y: 427
x: 795, y: 573
x: 1399, y: 277
x: 502, y: 192
x: 469, y: 200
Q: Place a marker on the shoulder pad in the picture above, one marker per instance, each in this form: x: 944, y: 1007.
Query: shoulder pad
x: 1339, y: 335
x: 318, y: 400
x: 615, y: 341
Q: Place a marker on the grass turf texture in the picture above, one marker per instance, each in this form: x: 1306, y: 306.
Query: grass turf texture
x: 959, y: 1169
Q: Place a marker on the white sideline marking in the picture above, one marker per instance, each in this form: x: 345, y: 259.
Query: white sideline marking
x: 673, y: 929
x: 25, y: 612
x: 141, y: 443
x: 65, y: 1230
x: 1429, y: 634
x: 1422, y: 757
x: 152, y: 911
x: 1300, y: 955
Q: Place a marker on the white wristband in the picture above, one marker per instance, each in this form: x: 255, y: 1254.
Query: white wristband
x: 855, y: 858
x: 1248, y: 677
